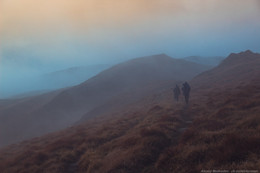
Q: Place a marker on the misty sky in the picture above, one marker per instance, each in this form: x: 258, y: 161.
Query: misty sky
x: 45, y: 35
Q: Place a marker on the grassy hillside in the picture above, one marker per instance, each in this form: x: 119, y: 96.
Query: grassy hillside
x: 220, y: 132
x: 114, y: 88
x: 220, y: 129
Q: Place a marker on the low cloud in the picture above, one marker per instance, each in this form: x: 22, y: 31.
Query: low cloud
x: 47, y: 35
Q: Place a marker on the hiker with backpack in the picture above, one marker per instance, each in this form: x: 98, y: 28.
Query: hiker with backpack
x: 186, y: 91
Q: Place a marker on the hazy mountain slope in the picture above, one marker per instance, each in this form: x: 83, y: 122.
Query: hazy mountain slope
x: 72, y: 76
x: 236, y: 69
x: 212, y: 61
x: 218, y: 130
x: 30, y: 94
x: 15, y: 117
x: 30, y: 83
x: 34, y: 117
x: 140, y: 81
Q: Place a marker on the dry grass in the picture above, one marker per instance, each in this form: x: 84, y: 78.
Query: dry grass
x: 225, y: 134
x: 226, y: 137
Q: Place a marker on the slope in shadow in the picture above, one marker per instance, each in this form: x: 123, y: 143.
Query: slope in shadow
x: 54, y: 111
x: 223, y: 134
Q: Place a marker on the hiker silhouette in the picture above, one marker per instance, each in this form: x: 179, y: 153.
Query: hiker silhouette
x: 176, y: 92
x: 186, y: 91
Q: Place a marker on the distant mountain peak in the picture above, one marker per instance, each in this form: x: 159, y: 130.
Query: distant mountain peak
x: 151, y: 59
x: 156, y: 56
x: 244, y: 53
x: 248, y: 52
x: 241, y: 57
x: 161, y: 55
x: 211, y: 60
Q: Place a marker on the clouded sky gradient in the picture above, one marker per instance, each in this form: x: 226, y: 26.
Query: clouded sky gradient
x: 53, y: 34
x: 104, y: 30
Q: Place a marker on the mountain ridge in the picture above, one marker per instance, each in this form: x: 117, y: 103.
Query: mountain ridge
x: 216, y: 130
x: 50, y: 112
x: 212, y: 61
x: 236, y: 68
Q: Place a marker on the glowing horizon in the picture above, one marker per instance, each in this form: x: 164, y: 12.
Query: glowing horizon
x: 47, y: 35
x: 95, y: 31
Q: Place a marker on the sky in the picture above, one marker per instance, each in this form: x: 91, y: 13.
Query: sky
x: 39, y: 36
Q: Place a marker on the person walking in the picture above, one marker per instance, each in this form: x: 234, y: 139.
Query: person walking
x: 186, y: 91
x: 176, y: 92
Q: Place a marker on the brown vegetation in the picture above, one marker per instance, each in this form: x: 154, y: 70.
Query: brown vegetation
x: 109, y: 91
x: 150, y: 141
x: 220, y: 129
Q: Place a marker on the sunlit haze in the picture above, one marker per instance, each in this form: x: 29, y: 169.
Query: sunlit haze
x: 39, y: 37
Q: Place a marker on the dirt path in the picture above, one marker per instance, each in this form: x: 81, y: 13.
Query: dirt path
x: 186, y: 118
